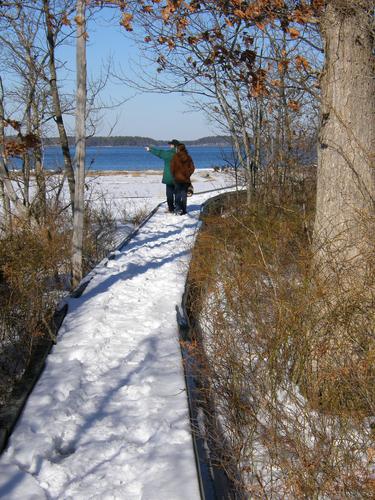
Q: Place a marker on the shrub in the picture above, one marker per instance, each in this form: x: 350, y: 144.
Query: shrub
x: 34, y: 262
x: 288, y: 396
x: 99, y: 238
x: 35, y: 271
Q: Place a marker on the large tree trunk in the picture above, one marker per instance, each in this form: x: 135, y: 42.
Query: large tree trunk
x: 346, y: 175
x: 341, y: 337
x: 78, y: 214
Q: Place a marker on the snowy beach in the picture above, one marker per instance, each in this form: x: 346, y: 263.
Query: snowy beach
x: 108, y: 418
x: 132, y: 191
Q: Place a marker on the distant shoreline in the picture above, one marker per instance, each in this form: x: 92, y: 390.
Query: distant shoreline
x: 135, y: 141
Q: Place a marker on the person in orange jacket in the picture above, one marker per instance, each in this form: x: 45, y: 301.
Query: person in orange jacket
x: 182, y: 167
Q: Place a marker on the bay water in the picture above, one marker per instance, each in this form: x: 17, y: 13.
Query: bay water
x: 137, y: 158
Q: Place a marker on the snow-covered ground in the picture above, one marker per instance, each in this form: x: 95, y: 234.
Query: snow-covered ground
x: 127, y: 193
x: 108, y: 418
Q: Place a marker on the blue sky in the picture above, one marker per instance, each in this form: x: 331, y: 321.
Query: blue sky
x: 158, y: 116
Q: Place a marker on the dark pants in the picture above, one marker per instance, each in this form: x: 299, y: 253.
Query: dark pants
x: 170, y: 189
x: 181, y: 197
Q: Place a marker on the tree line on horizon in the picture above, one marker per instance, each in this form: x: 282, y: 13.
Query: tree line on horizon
x: 216, y: 140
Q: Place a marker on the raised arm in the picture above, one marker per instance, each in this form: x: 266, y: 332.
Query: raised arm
x: 165, y: 154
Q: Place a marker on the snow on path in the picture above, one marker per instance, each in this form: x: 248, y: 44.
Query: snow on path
x: 108, y: 418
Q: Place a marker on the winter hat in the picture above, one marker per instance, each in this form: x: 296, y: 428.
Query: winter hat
x: 174, y: 142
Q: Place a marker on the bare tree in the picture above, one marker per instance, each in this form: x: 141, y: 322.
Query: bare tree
x: 26, y: 56
x: 22, y: 56
x: 52, y: 22
x: 79, y: 198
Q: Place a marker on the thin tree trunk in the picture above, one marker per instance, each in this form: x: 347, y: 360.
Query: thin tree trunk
x: 247, y: 149
x: 78, y: 214
x: 346, y: 173
x: 228, y: 116
x: 26, y: 162
x: 286, y: 136
x: 68, y: 164
x: 26, y: 179
x: 6, y: 208
x: 257, y: 139
x: 41, y: 183
x: 244, y: 163
x: 34, y: 109
x: 40, y: 177
x: 10, y: 192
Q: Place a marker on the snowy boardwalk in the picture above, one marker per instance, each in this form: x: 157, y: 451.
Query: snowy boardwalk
x: 109, y: 417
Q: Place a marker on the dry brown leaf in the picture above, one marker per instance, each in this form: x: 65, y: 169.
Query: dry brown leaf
x: 294, y: 33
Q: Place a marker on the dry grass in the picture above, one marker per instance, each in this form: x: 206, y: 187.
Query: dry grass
x: 34, y: 264
x: 287, y: 360
x: 35, y: 274
x: 99, y: 238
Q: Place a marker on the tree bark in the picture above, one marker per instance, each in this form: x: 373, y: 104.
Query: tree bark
x: 39, y: 170
x: 78, y: 213
x: 26, y: 160
x: 346, y: 174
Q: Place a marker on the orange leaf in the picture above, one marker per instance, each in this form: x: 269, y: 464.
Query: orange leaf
x: 65, y: 20
x: 302, y: 15
x: 14, y: 124
x: 126, y: 21
x: 166, y: 13
x: 293, y: 33
x: 192, y: 40
x: 258, y: 87
x: 318, y: 4
x: 79, y: 20
x: 239, y: 13
x: 294, y: 105
x: 302, y: 63
x: 282, y: 65
x: 276, y: 83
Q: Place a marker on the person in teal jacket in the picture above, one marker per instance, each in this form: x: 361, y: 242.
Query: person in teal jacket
x: 167, y: 179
